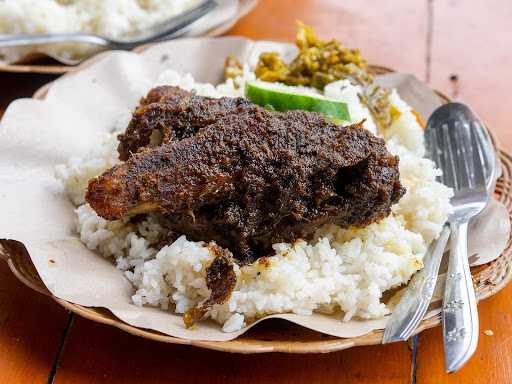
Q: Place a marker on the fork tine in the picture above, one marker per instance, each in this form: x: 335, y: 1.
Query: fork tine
x: 434, y: 152
x: 440, y: 155
x: 487, y: 147
x: 479, y: 156
x: 482, y: 132
x: 462, y: 151
x: 448, y: 157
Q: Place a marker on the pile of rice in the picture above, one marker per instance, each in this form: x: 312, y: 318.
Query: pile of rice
x: 113, y: 18
x: 339, y: 271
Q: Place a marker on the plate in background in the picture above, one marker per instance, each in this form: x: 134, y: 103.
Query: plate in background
x: 226, y: 15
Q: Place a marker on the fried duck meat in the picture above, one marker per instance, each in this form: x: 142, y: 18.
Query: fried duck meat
x: 171, y: 113
x: 247, y: 178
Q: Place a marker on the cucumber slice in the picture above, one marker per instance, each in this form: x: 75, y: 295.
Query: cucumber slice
x: 282, y: 98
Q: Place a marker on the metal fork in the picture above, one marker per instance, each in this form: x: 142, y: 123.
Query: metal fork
x: 466, y: 151
x: 414, y: 302
x: 167, y: 28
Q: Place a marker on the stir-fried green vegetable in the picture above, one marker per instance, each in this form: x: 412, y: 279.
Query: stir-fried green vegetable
x: 319, y: 63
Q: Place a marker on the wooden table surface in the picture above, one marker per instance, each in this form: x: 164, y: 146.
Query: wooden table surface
x: 463, y: 48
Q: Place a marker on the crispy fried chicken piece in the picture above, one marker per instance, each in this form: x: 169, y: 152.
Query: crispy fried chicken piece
x: 170, y: 113
x: 254, y: 178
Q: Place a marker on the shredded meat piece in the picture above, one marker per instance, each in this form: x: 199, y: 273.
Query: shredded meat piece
x: 220, y: 280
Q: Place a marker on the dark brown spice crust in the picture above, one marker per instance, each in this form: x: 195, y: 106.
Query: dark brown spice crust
x: 230, y: 171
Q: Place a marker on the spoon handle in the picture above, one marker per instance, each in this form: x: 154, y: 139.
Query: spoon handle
x: 22, y: 40
x: 460, y: 316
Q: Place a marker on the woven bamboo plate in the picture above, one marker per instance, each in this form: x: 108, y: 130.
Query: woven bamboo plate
x: 278, y: 335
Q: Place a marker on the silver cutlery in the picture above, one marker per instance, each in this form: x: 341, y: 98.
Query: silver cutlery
x: 167, y: 28
x: 466, y: 151
x: 414, y: 302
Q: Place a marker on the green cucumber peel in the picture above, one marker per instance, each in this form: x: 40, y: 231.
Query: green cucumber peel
x: 284, y: 100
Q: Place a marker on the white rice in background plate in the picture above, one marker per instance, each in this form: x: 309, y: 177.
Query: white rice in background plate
x: 339, y: 270
x: 112, y: 18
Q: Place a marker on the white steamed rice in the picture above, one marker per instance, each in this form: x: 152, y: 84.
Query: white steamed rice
x: 340, y: 270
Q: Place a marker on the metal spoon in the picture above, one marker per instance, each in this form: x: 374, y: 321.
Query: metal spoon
x: 166, y: 28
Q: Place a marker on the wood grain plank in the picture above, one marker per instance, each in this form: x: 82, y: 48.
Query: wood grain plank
x: 31, y: 327
x: 96, y: 353
x: 391, y: 33
x: 493, y: 358
x: 472, y: 40
x: 14, y: 85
